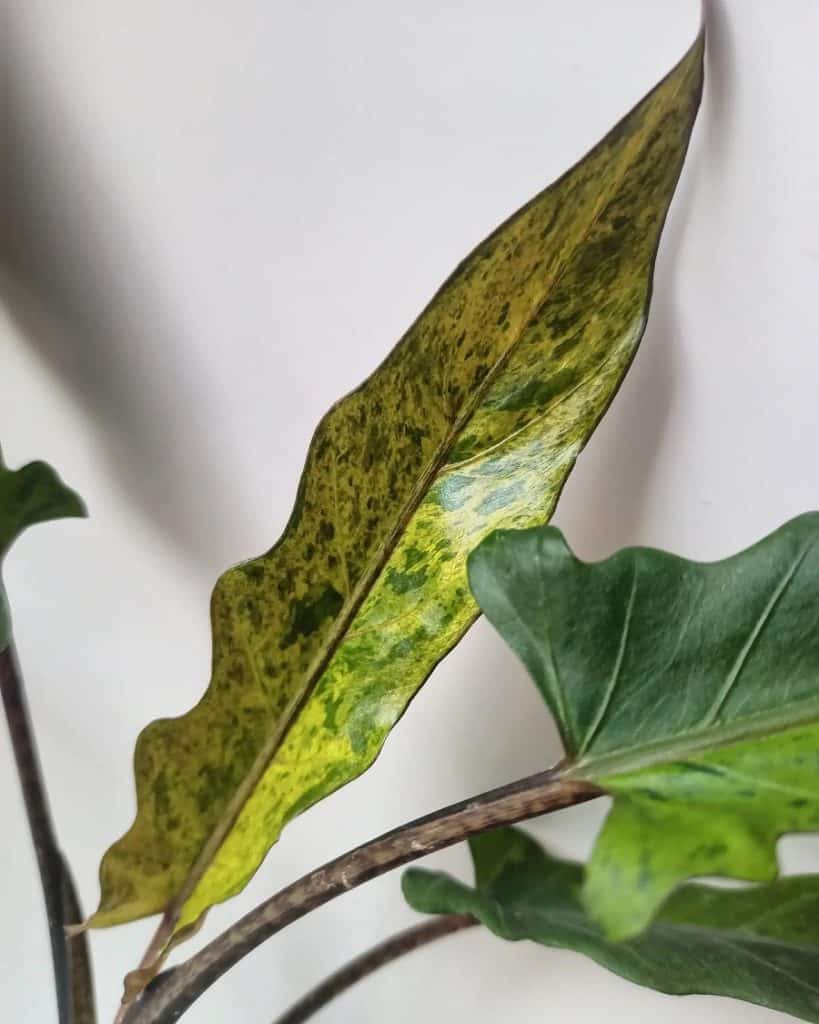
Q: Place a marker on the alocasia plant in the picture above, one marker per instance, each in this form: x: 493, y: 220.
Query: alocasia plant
x: 688, y: 692
x: 471, y: 423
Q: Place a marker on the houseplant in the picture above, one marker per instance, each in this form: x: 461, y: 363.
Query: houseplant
x: 406, y: 581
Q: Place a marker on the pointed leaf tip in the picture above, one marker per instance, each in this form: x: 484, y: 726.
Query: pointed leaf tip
x: 30, y: 495
x: 472, y: 423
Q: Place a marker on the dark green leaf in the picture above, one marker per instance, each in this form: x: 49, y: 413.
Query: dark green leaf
x: 760, y: 944
x: 33, y: 494
x: 689, y: 691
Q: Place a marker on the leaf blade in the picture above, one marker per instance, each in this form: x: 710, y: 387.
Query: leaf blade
x: 472, y: 422
x: 29, y: 495
x: 710, y: 747
x: 759, y: 945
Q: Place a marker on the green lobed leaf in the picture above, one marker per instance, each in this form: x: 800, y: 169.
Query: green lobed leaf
x: 689, y: 691
x: 760, y: 945
x: 30, y: 495
x: 471, y: 423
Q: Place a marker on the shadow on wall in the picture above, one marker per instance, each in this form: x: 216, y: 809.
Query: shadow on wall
x: 86, y: 299
x: 720, y: 71
x: 606, y: 504
x: 83, y: 296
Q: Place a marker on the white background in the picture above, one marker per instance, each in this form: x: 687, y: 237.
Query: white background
x: 218, y: 217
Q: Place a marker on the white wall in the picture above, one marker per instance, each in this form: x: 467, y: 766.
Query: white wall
x: 220, y: 217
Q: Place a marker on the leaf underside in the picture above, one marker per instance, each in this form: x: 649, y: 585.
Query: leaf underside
x: 760, y: 944
x: 687, y: 690
x: 471, y: 423
x: 30, y: 495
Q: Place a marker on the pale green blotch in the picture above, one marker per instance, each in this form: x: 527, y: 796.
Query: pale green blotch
x: 719, y: 813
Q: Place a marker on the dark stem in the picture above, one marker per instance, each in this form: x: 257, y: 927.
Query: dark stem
x: 174, y: 991
x: 72, y: 969
x: 380, y: 955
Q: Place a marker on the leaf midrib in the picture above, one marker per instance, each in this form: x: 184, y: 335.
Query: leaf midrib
x: 575, y: 917
x: 382, y: 554
x: 670, y: 750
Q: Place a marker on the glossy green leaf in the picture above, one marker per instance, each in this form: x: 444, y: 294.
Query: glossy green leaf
x: 32, y: 494
x: 689, y: 691
x: 471, y: 423
x: 760, y: 945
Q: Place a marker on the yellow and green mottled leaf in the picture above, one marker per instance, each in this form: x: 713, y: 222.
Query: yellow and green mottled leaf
x: 470, y: 424
x: 30, y: 495
x: 687, y: 690
x: 759, y: 944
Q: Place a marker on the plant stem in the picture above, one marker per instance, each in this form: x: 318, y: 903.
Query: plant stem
x: 380, y: 955
x: 72, y: 965
x: 174, y: 991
